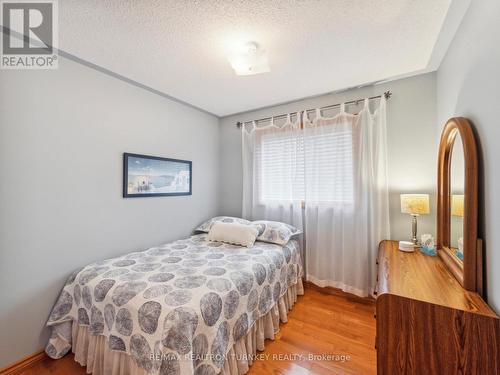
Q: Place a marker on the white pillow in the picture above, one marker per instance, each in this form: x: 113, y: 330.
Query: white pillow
x: 275, y: 231
x: 205, y: 226
x: 239, y: 234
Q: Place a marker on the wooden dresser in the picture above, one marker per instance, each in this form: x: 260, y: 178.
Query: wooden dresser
x: 427, y: 323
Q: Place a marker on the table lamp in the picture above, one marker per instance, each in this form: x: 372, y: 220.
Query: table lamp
x: 415, y: 205
x: 457, y: 205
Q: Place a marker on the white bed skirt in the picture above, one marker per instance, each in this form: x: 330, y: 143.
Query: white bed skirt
x: 93, y: 352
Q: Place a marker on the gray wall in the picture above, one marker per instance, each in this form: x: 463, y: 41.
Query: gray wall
x: 412, y: 153
x: 62, y: 136
x: 467, y: 85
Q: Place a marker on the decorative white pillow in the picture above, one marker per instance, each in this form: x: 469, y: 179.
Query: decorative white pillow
x: 205, y: 226
x: 235, y: 233
x: 275, y: 231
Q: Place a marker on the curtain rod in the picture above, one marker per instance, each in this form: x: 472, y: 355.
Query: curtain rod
x: 386, y: 94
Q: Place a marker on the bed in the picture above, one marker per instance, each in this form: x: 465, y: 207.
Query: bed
x: 188, y: 307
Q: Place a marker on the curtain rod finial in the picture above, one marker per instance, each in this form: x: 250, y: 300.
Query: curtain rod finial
x: 239, y: 124
x: 387, y: 94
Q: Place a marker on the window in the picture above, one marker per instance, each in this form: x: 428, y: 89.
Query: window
x: 306, y: 165
x: 280, y: 167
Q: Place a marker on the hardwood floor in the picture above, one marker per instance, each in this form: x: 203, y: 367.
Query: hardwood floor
x: 332, y: 325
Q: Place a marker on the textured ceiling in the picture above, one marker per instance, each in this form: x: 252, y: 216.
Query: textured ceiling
x: 314, y: 47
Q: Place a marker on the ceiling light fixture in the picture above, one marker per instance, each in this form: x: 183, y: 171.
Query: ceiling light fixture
x: 249, y: 59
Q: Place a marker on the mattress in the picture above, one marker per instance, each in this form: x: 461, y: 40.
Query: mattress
x: 182, y: 305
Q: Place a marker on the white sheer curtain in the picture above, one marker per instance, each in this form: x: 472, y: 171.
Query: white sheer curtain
x: 273, y: 172
x: 328, y: 178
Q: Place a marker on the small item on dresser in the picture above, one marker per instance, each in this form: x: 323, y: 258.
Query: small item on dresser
x: 428, y: 247
x: 406, y: 246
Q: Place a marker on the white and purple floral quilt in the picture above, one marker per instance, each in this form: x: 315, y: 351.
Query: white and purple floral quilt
x: 176, y: 308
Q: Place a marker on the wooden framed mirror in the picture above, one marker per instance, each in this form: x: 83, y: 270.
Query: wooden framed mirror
x: 457, y: 204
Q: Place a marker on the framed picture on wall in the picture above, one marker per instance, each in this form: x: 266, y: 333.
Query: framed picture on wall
x: 153, y: 176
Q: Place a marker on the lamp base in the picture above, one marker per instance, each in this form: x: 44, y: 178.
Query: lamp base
x: 407, y: 246
x: 414, y: 238
x: 416, y: 242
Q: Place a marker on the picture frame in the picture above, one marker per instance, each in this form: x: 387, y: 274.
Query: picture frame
x: 154, y: 176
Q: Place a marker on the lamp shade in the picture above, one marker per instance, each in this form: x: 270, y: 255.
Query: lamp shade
x: 457, y: 205
x: 415, y: 204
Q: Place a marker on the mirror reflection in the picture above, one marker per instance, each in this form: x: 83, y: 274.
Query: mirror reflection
x: 457, y: 197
